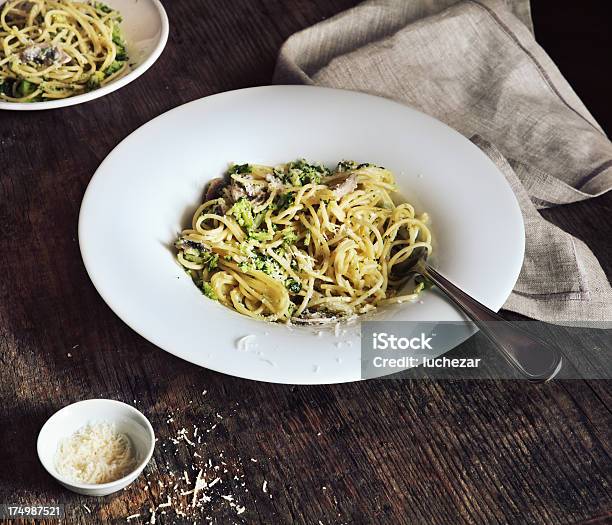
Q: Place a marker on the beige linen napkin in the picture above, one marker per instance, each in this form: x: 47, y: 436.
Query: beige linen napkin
x: 475, y: 65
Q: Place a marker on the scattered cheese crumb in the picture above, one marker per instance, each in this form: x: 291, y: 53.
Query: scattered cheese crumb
x: 167, y: 504
x: 246, y: 343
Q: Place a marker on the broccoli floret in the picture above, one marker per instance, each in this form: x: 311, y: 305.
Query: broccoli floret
x: 267, y: 265
x: 246, y: 248
x: 115, y: 66
x: 293, y: 286
x: 117, y: 36
x: 103, y: 8
x: 242, y: 211
x: 121, y: 54
x: 208, y: 291
x: 25, y: 88
x: 94, y: 80
x: 301, y: 172
x: 239, y: 169
x: 289, y: 236
x: 6, y: 86
x: 263, y: 263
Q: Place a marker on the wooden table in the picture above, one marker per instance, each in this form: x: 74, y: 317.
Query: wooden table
x: 373, y: 452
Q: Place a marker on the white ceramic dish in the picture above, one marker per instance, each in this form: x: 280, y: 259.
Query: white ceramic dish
x: 145, y: 29
x: 146, y: 190
x: 69, y: 419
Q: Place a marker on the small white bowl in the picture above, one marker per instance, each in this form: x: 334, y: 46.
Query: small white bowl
x: 145, y: 29
x: 69, y: 419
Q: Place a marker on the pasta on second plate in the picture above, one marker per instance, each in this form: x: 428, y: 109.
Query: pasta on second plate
x: 53, y: 49
x: 300, y: 242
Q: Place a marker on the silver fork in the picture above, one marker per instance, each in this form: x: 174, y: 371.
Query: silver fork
x: 536, y: 360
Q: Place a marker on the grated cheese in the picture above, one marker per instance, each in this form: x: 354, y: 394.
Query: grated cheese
x: 96, y: 453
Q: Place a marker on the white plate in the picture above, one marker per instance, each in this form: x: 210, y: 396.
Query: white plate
x: 146, y: 190
x: 145, y: 29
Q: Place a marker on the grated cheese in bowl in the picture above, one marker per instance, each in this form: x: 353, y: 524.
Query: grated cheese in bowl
x: 96, y: 453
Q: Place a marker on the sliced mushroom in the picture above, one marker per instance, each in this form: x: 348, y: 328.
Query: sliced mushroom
x: 44, y: 54
x: 213, y: 191
x: 234, y: 192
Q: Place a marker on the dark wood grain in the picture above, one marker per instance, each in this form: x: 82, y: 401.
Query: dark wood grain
x: 409, y: 451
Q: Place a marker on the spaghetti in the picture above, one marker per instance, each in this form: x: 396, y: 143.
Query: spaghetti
x: 53, y: 49
x: 302, y: 243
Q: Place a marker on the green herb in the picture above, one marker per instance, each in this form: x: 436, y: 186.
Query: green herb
x: 103, y: 8
x: 293, y: 286
x: 351, y: 165
x: 283, y: 201
x: 239, y: 169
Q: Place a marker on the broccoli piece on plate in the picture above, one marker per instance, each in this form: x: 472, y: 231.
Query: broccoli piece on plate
x: 208, y: 291
x: 300, y: 173
x: 94, y: 80
x: 242, y: 211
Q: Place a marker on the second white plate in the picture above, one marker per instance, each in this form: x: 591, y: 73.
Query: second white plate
x: 145, y: 28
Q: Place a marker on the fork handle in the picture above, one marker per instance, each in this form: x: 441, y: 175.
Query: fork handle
x: 536, y: 360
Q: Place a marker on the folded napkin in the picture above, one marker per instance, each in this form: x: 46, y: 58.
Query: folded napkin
x: 475, y: 65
